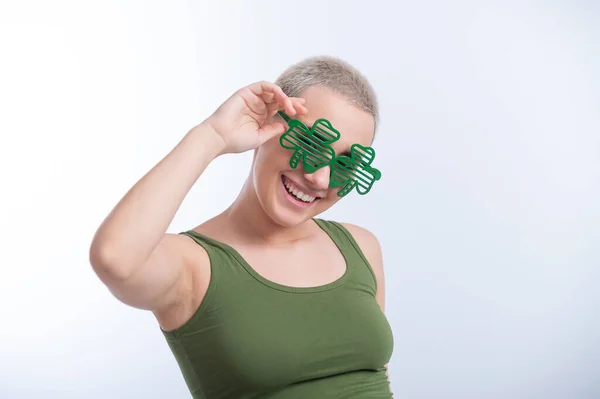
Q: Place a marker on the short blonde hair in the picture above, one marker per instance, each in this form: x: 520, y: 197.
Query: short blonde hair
x: 335, y: 74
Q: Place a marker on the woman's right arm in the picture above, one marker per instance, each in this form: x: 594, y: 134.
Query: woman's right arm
x: 131, y: 252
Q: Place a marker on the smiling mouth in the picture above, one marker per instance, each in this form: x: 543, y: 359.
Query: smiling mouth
x: 296, y: 193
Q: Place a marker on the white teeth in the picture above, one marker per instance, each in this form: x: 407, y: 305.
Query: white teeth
x: 297, y: 193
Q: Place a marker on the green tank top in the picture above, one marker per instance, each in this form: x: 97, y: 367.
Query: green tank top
x: 254, y: 338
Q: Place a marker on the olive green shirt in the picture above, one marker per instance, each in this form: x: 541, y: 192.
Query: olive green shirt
x: 254, y: 338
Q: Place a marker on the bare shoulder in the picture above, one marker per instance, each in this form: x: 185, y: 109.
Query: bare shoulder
x: 368, y: 243
x: 366, y: 240
x: 370, y: 246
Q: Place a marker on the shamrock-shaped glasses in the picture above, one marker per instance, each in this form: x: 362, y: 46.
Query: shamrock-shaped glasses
x: 312, y: 147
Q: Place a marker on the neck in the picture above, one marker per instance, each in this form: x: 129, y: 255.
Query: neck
x: 248, y: 221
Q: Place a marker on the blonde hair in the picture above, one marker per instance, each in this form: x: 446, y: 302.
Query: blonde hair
x: 336, y: 75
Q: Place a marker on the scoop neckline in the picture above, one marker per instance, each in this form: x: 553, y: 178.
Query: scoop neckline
x: 283, y: 287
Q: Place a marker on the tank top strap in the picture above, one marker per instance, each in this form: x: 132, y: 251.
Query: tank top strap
x: 214, y: 248
x: 226, y: 260
x: 351, y: 251
x: 222, y: 257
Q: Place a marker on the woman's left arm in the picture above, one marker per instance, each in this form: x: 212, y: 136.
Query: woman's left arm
x: 369, y: 245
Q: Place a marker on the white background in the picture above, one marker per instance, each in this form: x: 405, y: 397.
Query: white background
x: 488, y: 211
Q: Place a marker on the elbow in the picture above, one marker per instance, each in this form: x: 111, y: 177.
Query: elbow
x: 108, y: 264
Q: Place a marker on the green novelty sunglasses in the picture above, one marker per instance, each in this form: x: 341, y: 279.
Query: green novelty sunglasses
x: 312, y: 146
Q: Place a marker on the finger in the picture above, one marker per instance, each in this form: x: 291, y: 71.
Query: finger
x: 268, y: 97
x: 297, y: 102
x: 264, y: 90
x: 268, y: 131
x: 273, y: 108
x: 299, y: 105
x: 254, y: 102
x: 280, y: 97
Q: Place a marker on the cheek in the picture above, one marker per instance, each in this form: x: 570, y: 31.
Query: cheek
x: 269, y: 162
x: 331, y: 200
x: 271, y: 156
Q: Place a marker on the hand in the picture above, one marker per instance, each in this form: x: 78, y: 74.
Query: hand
x: 244, y: 120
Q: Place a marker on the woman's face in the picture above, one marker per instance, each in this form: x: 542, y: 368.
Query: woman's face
x: 278, y: 186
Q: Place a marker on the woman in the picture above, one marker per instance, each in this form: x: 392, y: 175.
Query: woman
x: 263, y: 300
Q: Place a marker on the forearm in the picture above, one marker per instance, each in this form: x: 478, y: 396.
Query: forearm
x: 138, y: 222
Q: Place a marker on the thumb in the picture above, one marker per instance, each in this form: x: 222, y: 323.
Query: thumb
x: 268, y: 131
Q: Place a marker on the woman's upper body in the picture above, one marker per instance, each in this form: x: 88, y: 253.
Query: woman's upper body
x: 303, y: 334
x: 264, y: 299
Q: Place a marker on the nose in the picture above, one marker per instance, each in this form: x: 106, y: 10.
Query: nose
x: 320, y: 178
